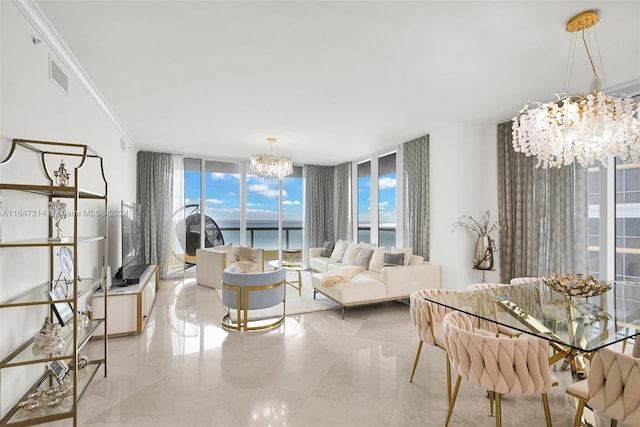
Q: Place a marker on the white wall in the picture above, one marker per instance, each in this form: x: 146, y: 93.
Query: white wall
x: 463, y: 182
x: 34, y: 107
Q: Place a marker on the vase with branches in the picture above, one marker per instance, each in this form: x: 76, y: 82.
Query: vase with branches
x: 485, y: 245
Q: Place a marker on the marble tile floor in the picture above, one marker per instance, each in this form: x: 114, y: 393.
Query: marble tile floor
x: 314, y: 370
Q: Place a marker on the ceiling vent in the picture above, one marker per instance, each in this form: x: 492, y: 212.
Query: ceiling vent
x: 57, y: 75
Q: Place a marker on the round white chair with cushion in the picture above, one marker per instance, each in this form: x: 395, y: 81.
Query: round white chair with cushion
x: 499, y: 365
x: 252, y: 291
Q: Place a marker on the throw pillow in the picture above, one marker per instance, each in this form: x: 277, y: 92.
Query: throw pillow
x: 350, y: 254
x: 327, y: 248
x: 245, y: 253
x: 364, y: 257
x: 391, y: 259
x: 406, y: 251
x: 230, y: 257
x: 244, y: 266
x: 338, y: 251
x: 377, y: 260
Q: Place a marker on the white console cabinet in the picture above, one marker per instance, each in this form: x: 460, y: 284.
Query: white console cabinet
x: 130, y: 305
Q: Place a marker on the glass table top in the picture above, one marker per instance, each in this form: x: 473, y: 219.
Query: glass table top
x: 583, y: 324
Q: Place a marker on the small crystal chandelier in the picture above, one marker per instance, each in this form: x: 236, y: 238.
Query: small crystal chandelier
x: 270, y: 166
x: 579, y: 128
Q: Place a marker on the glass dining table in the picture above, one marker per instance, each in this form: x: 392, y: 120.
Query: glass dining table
x: 574, y: 326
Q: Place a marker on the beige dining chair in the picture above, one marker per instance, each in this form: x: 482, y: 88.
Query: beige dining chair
x: 489, y: 310
x: 499, y: 365
x: 427, y: 319
x: 612, y: 387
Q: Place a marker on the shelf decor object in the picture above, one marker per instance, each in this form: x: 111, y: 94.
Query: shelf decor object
x: 576, y: 286
x: 58, y: 212
x: 579, y: 128
x: 62, y: 176
x: 54, y: 373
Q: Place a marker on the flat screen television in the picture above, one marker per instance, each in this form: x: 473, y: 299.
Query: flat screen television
x: 132, y: 251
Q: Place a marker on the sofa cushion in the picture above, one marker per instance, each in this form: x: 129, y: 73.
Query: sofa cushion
x: 364, y: 257
x: 393, y: 259
x: 351, y: 253
x: 377, y: 260
x: 327, y: 248
x: 361, y: 288
x: 321, y: 263
x: 406, y: 251
x: 245, y: 254
x: 338, y: 251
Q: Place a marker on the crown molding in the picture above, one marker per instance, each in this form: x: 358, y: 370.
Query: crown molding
x: 35, y: 16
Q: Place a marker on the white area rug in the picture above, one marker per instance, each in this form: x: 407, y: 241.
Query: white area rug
x: 295, y: 304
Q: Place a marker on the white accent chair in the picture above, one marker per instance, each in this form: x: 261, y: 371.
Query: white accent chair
x: 612, y: 386
x: 210, y: 262
x: 427, y: 319
x: 499, y: 365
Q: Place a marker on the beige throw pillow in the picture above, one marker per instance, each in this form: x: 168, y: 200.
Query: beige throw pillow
x: 350, y: 254
x: 338, y: 251
x: 245, y: 253
x: 377, y: 260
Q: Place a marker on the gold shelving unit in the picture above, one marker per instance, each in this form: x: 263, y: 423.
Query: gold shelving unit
x: 87, y: 165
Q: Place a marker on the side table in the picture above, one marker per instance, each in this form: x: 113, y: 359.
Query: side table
x: 293, y: 266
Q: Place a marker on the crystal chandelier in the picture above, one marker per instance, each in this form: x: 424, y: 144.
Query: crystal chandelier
x: 270, y: 166
x: 579, y: 128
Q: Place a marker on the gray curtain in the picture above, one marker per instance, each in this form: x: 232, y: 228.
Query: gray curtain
x: 342, y: 202
x: 318, y: 206
x: 544, y: 211
x: 157, y: 179
x: 416, y: 195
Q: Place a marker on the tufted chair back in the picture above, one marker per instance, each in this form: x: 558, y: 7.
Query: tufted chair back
x: 500, y: 365
x: 426, y: 316
x: 427, y: 320
x: 613, y: 381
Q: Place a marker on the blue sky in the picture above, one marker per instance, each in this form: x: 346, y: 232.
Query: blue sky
x: 222, y: 198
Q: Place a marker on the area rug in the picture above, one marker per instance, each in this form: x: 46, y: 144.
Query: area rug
x: 295, y: 304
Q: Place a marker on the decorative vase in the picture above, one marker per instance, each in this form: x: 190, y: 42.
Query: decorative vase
x: 483, y: 257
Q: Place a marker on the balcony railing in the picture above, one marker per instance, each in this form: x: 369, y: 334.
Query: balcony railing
x: 255, y: 239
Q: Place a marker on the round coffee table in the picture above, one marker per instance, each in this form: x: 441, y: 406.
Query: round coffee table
x: 294, y: 266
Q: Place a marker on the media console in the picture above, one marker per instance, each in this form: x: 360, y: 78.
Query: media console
x: 130, y: 305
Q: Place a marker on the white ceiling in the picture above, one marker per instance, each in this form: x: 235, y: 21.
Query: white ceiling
x: 334, y: 81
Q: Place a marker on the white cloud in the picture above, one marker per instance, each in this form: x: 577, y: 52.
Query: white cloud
x: 266, y: 191
x: 291, y: 202
x: 383, y: 205
x: 215, y: 201
x: 232, y: 194
x: 386, y: 183
x: 218, y: 175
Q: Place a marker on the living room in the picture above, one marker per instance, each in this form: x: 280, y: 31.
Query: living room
x: 463, y: 155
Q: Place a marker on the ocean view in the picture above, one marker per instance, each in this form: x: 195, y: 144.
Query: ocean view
x: 264, y: 234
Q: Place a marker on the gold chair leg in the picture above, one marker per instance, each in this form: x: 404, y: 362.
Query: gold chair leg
x: 415, y: 362
x: 448, y: 377
x: 491, y: 400
x: 579, y: 411
x: 453, y: 400
x: 498, y: 410
x: 547, y: 414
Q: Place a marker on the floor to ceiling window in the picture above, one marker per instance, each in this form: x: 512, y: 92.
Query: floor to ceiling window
x: 364, y: 201
x: 619, y: 190
x: 222, y: 197
x: 387, y: 200
x: 292, y: 212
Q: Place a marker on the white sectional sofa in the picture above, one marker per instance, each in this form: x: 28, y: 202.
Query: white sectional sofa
x: 381, y: 283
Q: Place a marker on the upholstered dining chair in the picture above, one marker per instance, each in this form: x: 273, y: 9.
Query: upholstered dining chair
x: 490, y: 311
x: 499, y: 365
x: 427, y: 319
x: 612, y: 387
